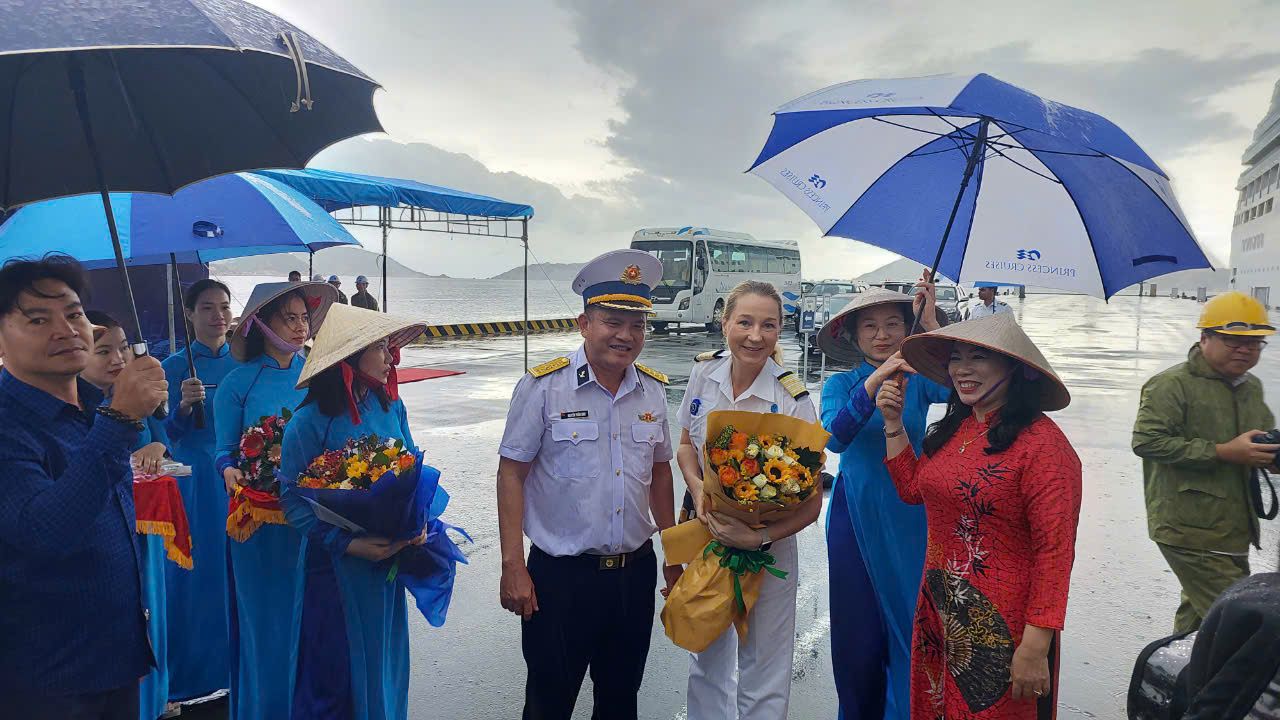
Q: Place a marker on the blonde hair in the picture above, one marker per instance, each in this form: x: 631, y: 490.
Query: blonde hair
x: 754, y: 287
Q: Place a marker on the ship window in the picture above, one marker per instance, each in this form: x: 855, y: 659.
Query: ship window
x: 1269, y: 201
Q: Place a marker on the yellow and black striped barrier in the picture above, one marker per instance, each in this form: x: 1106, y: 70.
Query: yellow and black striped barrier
x: 497, y: 328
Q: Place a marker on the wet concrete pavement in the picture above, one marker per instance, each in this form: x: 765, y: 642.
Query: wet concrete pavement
x: 1122, y: 595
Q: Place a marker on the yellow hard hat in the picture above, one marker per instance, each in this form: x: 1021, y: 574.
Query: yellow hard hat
x: 1234, y: 313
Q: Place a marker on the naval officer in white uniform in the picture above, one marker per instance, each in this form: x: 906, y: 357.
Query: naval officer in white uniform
x: 585, y: 473
x: 987, y: 304
x: 748, y: 679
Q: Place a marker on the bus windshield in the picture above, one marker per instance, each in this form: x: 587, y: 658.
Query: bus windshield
x: 676, y: 257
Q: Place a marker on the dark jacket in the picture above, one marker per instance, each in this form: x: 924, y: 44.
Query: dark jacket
x: 1195, y: 500
x: 364, y: 300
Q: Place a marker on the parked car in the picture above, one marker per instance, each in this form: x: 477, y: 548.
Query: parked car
x: 951, y: 297
x: 823, y: 290
x: 830, y: 307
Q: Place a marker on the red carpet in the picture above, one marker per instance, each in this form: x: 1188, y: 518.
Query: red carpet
x: 410, y: 375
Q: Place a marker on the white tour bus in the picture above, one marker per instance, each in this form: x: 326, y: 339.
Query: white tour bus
x: 701, y: 265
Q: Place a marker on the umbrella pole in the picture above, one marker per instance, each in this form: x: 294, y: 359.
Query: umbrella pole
x: 311, y: 263
x: 75, y: 76
x: 386, y: 228
x: 975, y: 156
x: 524, y: 238
x: 197, y: 410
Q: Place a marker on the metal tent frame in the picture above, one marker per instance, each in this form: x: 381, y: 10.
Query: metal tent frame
x: 398, y: 204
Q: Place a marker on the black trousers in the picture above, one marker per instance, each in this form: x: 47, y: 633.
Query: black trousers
x: 119, y: 704
x: 588, y: 617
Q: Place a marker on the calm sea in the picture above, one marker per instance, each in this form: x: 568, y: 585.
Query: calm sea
x: 449, y: 300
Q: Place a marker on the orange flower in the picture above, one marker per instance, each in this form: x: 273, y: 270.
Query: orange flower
x: 750, y: 467
x: 738, y: 441
x: 767, y: 441
x: 745, y: 491
x: 738, y: 455
x: 405, y: 461
x: 804, y: 478
x: 728, y: 475
x: 719, y: 456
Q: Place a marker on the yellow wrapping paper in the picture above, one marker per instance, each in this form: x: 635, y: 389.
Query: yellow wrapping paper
x: 702, y: 604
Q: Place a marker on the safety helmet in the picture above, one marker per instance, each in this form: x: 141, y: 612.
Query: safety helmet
x: 1234, y: 313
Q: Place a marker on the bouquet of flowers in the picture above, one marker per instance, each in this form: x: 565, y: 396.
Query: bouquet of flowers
x: 756, y: 466
x: 769, y: 468
x: 257, y: 500
x: 378, y: 486
x: 358, y: 465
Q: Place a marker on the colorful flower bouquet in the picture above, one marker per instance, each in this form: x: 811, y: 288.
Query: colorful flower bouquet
x: 257, y: 501
x: 378, y: 486
x: 756, y: 466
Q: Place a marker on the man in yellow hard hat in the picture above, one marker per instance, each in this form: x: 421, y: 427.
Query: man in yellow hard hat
x: 1196, y: 430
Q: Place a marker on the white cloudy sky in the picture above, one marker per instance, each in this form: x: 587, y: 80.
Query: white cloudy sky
x: 607, y: 116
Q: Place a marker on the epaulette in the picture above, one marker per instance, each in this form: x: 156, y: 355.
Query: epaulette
x: 709, y: 355
x: 791, y: 383
x: 653, y: 374
x: 549, y: 367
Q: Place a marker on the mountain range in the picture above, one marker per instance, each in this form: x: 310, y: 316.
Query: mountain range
x: 562, y: 272
x: 342, y: 260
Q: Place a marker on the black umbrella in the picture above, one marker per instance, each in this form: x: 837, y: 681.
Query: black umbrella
x: 153, y: 95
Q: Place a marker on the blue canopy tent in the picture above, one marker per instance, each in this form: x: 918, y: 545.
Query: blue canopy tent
x: 411, y: 205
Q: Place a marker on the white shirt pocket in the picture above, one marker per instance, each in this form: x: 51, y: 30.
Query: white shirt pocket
x: 644, y: 438
x: 576, y: 448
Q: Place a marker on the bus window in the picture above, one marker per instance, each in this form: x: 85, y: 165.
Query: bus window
x: 676, y: 257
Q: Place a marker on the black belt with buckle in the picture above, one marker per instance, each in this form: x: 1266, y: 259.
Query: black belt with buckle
x: 619, y: 561
x: 606, y: 562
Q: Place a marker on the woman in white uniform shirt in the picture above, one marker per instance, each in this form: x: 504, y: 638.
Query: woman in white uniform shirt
x: 746, y: 377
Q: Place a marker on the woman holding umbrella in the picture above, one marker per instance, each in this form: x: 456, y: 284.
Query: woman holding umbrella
x: 276, y: 321
x: 353, y: 645
x: 875, y: 542
x: 197, y: 598
x: 1001, y: 486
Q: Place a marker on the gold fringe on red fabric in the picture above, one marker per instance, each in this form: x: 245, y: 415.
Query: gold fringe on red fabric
x: 166, y: 531
x: 246, y: 518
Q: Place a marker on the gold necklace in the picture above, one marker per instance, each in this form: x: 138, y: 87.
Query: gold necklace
x: 964, y: 445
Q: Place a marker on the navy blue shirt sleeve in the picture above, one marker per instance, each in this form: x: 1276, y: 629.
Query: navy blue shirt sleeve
x: 46, y: 515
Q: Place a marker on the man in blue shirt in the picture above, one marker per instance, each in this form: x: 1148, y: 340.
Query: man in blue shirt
x: 71, y: 617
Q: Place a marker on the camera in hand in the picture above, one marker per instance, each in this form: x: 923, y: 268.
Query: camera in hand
x: 1271, y: 437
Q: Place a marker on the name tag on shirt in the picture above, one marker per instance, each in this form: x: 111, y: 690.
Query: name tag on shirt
x: 573, y: 414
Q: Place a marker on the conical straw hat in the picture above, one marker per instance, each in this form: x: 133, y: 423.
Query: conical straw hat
x: 838, y: 338
x: 929, y: 353
x: 348, y: 330
x: 264, y: 293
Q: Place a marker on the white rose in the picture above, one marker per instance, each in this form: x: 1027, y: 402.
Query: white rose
x: 760, y: 480
x: 793, y: 488
x: 753, y: 450
x: 788, y: 460
x: 774, y: 452
x: 768, y: 491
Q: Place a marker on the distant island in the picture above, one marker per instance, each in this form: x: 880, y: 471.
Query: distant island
x: 343, y: 261
x: 556, y: 271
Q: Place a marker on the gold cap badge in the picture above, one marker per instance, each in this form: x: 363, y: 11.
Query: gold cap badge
x: 632, y: 275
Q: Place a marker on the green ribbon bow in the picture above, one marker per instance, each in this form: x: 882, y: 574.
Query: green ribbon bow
x: 740, y: 562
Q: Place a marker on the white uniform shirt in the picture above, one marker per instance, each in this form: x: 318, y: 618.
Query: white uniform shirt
x: 710, y: 388
x: 592, y: 452
x: 980, y: 309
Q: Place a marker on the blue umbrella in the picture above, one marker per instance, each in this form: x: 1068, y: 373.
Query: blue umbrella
x: 230, y: 216
x: 153, y: 95
x: 978, y: 178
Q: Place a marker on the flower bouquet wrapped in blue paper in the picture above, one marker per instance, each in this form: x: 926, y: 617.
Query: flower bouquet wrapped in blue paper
x: 377, y: 486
